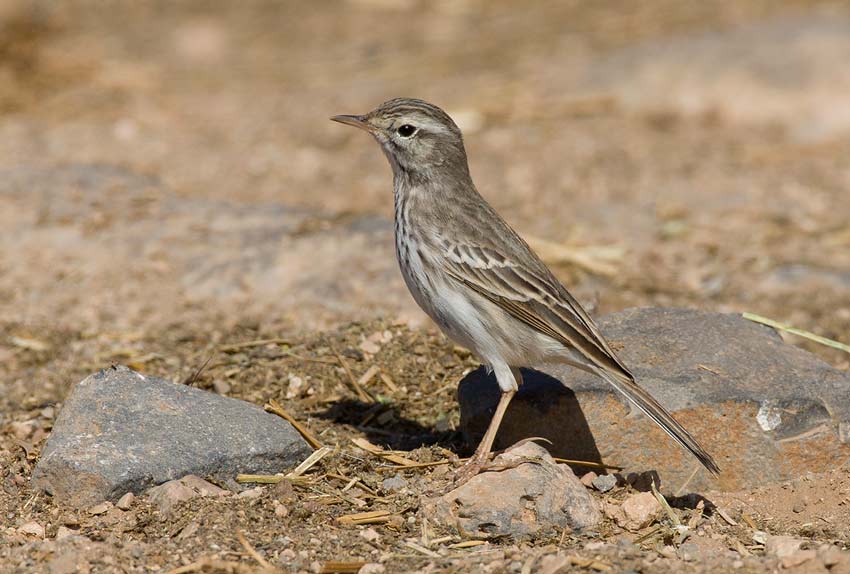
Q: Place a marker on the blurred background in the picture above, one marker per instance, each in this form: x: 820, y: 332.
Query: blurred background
x: 173, y: 197
x: 172, y: 163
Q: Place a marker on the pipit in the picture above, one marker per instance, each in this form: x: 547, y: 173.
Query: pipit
x: 477, y: 279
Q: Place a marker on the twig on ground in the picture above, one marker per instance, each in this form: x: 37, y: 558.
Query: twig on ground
x: 341, y: 567
x: 388, y: 455
x: 309, y: 462
x: 368, y: 375
x: 361, y: 393
x: 389, y: 382
x: 725, y: 516
x: 274, y: 407
x: 371, y: 517
x: 233, y: 347
x: 663, y: 502
x: 197, y: 373
x: 252, y: 552
x: 421, y: 549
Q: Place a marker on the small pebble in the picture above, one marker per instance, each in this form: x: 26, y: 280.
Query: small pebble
x: 280, y: 510
x: 126, y: 501
x: 370, y: 534
x: 101, y: 508
x: 588, y: 479
x: 252, y: 493
x: 604, y: 483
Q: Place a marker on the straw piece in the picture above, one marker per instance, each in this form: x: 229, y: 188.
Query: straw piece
x: 799, y: 332
x: 274, y: 407
x: 309, y: 462
x: 368, y: 375
x: 371, y: 517
x: 467, y: 544
x: 376, y: 450
x: 248, y: 344
x: 361, y: 393
x: 341, y: 567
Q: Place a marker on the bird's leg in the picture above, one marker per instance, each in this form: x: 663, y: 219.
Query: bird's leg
x: 478, y: 461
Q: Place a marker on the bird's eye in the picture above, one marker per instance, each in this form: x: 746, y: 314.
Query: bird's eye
x: 406, y: 130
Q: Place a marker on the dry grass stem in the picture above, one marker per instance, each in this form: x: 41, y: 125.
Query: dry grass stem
x: 697, y: 515
x: 341, y: 567
x: 361, y: 393
x: 274, y: 407
x: 725, y: 516
x: 799, y: 332
x: 371, y: 517
x: 309, y: 462
x: 249, y: 344
x: 378, y: 451
x: 260, y: 478
x: 370, y: 373
x: 252, y: 552
x: 467, y: 544
x: 389, y: 382
x: 674, y: 519
x: 421, y: 549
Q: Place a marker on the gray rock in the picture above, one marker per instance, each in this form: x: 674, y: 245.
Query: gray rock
x: 766, y: 410
x: 604, y: 483
x: 120, y: 431
x: 517, y: 502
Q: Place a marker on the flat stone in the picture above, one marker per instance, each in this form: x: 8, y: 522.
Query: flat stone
x: 767, y: 411
x: 126, y: 501
x: 516, y: 502
x: 120, y: 431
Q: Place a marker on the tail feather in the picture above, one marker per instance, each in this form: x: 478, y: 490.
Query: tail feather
x: 644, y: 401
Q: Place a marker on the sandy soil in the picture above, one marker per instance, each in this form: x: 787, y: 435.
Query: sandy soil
x: 668, y: 143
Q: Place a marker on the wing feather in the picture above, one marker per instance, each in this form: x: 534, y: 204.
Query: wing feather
x: 537, y: 298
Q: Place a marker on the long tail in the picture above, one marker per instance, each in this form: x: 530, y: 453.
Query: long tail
x: 644, y: 401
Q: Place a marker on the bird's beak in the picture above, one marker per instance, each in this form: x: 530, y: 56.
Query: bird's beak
x: 356, y: 121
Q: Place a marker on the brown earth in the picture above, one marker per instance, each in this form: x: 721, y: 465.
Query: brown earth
x: 690, y: 153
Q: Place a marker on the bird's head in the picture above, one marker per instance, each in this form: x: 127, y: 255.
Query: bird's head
x: 418, y: 138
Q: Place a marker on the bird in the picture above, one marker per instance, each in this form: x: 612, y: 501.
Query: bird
x: 478, y: 280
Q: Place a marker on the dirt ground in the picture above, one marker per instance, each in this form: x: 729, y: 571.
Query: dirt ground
x: 690, y: 153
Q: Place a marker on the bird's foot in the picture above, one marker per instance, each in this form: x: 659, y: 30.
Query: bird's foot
x: 477, y: 465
